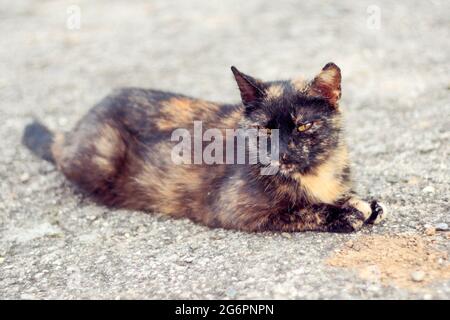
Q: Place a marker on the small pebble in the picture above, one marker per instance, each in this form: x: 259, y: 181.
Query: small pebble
x: 231, y: 293
x: 441, y: 226
x: 428, y: 189
x: 418, y: 276
x: 286, y: 235
x: 24, y: 177
x: 413, y: 181
x: 374, y: 288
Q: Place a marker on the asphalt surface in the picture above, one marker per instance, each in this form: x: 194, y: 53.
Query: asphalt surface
x: 56, y: 244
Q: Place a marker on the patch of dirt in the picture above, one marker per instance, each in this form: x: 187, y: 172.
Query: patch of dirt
x: 407, y: 261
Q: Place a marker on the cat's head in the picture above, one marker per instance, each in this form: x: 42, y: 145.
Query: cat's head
x: 305, y: 113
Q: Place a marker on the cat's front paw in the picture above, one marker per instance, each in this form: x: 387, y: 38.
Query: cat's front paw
x: 349, y: 220
x: 379, y: 212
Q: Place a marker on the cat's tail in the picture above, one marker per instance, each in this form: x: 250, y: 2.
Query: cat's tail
x: 39, y: 139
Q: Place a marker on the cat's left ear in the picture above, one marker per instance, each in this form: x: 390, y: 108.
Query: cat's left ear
x: 327, y: 84
x: 252, y: 90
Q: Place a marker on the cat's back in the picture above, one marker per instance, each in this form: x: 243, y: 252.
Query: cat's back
x: 152, y: 114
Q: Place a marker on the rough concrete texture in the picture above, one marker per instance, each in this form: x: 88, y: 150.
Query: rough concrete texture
x: 57, y: 244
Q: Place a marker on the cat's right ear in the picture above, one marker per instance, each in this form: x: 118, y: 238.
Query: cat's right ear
x: 252, y: 90
x: 327, y: 84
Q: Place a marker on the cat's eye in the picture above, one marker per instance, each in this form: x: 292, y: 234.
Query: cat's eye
x: 304, y: 127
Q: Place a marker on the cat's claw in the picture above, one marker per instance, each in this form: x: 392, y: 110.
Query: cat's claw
x: 379, y: 213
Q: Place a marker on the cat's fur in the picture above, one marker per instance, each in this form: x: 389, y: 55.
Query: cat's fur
x: 120, y: 154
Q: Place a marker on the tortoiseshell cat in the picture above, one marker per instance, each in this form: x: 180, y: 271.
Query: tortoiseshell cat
x: 120, y: 154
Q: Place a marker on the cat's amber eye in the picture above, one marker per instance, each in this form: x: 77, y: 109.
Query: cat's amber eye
x: 305, y: 126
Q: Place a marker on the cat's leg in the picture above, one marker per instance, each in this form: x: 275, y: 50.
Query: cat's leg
x: 324, y: 217
x: 92, y: 156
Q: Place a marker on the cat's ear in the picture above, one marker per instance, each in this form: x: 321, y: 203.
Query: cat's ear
x: 327, y: 84
x: 252, y: 90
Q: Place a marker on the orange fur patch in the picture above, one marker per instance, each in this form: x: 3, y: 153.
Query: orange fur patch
x: 274, y: 91
x: 324, y: 184
x: 181, y: 112
x: 231, y: 121
x: 107, y: 142
x: 299, y: 83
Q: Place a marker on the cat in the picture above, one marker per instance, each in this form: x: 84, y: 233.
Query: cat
x: 120, y: 155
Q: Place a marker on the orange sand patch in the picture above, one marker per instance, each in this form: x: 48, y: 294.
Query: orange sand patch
x: 407, y: 261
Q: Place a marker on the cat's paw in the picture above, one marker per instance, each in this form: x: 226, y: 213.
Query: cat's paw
x: 360, y: 205
x: 379, y: 212
x: 349, y: 220
x: 354, y: 221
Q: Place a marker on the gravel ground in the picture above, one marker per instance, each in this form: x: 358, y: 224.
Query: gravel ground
x: 57, y: 244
